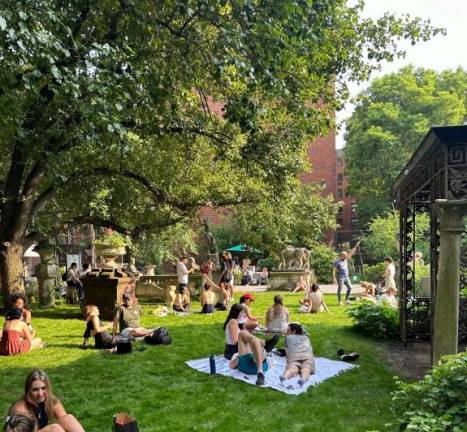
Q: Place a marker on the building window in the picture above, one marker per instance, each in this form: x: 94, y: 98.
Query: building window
x: 340, y: 210
x: 340, y: 193
x: 340, y: 162
x: 354, y: 208
x: 340, y: 178
x: 354, y: 222
x: 323, y: 184
x: 340, y: 222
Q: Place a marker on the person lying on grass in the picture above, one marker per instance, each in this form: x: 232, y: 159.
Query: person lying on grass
x: 207, y: 299
x: 95, y: 327
x: 19, y: 301
x: 16, y: 337
x: 40, y: 403
x: 246, y: 320
x: 127, y: 318
x: 277, y: 317
x: 19, y: 423
x: 300, y: 359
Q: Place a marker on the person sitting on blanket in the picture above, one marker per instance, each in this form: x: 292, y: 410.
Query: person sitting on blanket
x: 300, y: 359
x: 252, y: 354
x: 95, y: 327
x: 246, y: 320
x: 231, y: 329
x: 277, y: 317
x: 182, y: 301
x: 207, y: 299
x: 127, y: 317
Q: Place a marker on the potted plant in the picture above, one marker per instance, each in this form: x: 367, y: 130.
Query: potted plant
x: 110, y: 246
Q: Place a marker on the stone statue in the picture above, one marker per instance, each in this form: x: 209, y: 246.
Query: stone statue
x: 211, y: 241
x: 170, y: 297
x: 294, y: 258
x: 193, y: 263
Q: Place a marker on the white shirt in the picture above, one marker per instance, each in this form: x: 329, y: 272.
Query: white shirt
x: 182, y: 273
x: 391, y: 270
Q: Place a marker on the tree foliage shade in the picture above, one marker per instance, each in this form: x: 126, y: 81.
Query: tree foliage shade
x: 104, y: 104
x: 382, y: 238
x: 390, y: 120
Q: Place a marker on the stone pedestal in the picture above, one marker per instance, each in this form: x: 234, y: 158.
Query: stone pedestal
x: 446, y: 311
x: 105, y: 289
x: 46, y: 273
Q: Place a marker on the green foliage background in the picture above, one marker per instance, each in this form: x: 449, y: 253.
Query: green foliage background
x: 391, y: 117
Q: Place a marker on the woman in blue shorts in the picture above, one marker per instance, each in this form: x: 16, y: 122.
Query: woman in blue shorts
x: 251, y: 357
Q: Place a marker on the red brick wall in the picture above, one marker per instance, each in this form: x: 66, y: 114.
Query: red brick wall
x: 347, y: 217
x: 322, y: 158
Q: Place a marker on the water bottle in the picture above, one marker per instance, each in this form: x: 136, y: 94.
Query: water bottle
x: 212, y: 364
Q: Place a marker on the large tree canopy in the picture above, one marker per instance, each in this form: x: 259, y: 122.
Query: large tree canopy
x: 105, y: 114
x: 389, y: 122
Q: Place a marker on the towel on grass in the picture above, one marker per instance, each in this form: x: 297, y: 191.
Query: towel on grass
x: 325, y: 369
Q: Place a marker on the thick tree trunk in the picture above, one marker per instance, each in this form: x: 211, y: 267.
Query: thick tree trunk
x: 11, y: 270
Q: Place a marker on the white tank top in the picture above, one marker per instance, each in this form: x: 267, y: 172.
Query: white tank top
x: 228, y: 335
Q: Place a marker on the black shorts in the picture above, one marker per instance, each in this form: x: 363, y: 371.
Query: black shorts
x: 230, y: 350
x: 181, y: 287
x: 178, y: 309
x: 207, y: 309
x: 220, y: 306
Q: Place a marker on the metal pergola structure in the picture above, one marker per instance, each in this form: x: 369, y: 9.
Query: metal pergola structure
x: 437, y: 170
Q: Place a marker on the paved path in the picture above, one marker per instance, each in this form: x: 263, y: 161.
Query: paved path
x: 326, y: 289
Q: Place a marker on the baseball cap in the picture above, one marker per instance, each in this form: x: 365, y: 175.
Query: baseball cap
x: 248, y: 296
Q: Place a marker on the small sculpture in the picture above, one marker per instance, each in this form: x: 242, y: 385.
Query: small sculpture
x: 211, y: 241
x: 170, y: 297
x: 294, y: 258
x: 193, y: 264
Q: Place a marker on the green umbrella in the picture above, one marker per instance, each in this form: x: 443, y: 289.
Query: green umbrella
x: 241, y: 248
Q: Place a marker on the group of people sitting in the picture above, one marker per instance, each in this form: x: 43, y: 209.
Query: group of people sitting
x: 249, y: 353
x: 18, y: 335
x: 126, y: 323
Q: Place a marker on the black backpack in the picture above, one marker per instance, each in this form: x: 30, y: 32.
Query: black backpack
x: 160, y: 336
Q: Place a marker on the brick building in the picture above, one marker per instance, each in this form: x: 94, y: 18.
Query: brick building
x: 347, y: 216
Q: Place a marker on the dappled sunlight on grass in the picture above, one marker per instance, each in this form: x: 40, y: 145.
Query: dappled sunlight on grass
x: 156, y: 387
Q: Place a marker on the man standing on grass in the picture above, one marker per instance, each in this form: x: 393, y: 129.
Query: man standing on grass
x: 340, y: 274
x: 182, y: 273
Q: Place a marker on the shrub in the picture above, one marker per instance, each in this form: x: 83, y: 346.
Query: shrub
x: 271, y: 262
x: 322, y: 258
x: 378, y: 320
x: 115, y: 240
x: 438, y: 403
x: 374, y: 273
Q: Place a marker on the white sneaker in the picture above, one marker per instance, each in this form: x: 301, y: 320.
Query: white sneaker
x: 348, y: 302
x: 340, y: 303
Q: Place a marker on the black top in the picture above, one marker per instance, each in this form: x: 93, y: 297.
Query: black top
x: 41, y: 414
x: 90, y: 328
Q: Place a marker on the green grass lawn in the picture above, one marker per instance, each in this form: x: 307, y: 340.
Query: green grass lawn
x: 163, y: 394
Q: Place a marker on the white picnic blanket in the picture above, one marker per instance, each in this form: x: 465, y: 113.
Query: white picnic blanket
x: 325, y: 369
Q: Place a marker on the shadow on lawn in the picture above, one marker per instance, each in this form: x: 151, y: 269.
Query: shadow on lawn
x: 146, y: 383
